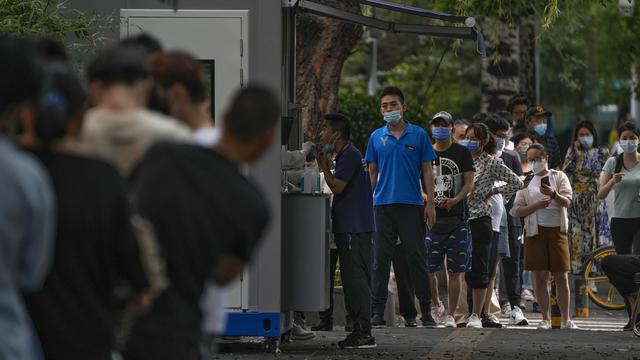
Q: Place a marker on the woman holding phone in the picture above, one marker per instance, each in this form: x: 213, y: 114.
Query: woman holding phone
x: 543, y: 204
x: 588, y: 219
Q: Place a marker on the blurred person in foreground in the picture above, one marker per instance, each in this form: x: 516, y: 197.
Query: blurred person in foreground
x: 27, y: 209
x: 208, y: 218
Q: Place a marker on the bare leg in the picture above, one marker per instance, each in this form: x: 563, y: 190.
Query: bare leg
x: 455, y: 285
x: 492, y: 285
x: 435, y: 295
x: 563, y: 293
x: 540, y: 281
x: 479, y: 296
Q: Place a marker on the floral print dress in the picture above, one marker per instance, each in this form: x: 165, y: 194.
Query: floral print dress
x: 588, y: 218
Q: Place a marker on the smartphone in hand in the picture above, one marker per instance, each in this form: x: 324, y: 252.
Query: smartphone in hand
x: 545, y: 181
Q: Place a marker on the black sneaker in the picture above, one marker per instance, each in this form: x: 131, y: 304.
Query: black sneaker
x: 410, y: 322
x: 378, y: 320
x: 490, y: 322
x: 322, y: 326
x: 427, y: 321
x: 358, y: 340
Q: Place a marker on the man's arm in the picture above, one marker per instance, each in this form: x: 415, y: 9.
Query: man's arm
x: 427, y: 179
x: 336, y: 185
x: 373, y: 175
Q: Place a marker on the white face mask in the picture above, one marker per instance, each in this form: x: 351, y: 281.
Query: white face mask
x: 538, y: 166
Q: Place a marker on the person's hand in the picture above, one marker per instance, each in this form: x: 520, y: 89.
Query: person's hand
x: 430, y: 214
x: 307, y: 147
x: 617, y: 177
x: 142, y: 303
x: 323, y: 161
x: 543, y: 202
x: 546, y: 190
x: 577, y: 147
x: 490, y: 194
x: 447, y: 204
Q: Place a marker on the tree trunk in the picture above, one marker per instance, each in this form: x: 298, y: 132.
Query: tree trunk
x: 527, y: 68
x: 500, y: 77
x: 323, y: 44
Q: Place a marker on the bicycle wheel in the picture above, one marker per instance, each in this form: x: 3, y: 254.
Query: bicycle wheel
x: 599, y: 289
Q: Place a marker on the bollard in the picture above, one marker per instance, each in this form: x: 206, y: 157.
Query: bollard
x: 582, y: 298
x: 556, y: 319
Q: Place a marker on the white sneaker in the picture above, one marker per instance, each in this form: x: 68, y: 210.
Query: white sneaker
x: 517, y: 318
x: 299, y: 333
x: 569, y: 325
x: 450, y: 322
x: 527, y: 295
x: 544, y: 325
x: 493, y: 318
x: 439, y: 314
x: 474, y: 322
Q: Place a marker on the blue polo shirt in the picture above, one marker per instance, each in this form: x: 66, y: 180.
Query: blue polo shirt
x: 399, y: 164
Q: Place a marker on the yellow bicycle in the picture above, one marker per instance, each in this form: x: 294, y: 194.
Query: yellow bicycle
x: 599, y: 289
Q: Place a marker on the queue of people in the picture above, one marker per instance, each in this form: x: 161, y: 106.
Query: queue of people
x: 116, y: 215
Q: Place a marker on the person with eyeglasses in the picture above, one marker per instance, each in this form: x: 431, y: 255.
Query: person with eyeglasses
x: 621, y: 174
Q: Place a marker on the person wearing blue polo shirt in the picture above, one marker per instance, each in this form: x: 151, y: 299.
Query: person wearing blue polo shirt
x: 399, y: 155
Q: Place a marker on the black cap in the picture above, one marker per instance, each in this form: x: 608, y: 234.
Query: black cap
x: 535, y: 111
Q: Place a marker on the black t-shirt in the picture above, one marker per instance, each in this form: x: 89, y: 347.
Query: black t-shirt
x: 95, y: 252
x: 448, y: 169
x: 201, y: 207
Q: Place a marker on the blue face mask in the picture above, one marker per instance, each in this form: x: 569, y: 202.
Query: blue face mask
x: 586, y: 141
x: 500, y: 143
x: 392, y: 117
x: 472, y: 145
x: 441, y: 133
x: 540, y: 129
x: 629, y: 146
x: 329, y: 148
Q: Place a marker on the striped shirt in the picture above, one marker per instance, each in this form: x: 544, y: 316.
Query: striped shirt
x: 490, y: 170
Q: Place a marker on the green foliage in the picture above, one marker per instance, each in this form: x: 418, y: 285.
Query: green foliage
x: 55, y: 19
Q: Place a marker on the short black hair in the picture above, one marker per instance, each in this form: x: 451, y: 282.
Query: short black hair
x: 20, y: 72
x: 628, y: 126
x: 339, y: 122
x: 479, y: 117
x: 119, y: 64
x: 52, y: 50
x: 496, y: 123
x: 586, y: 124
x: 540, y: 147
x: 392, y: 90
x: 65, y: 95
x: 148, y: 43
x: 523, y: 134
x: 517, y: 100
x: 254, y: 109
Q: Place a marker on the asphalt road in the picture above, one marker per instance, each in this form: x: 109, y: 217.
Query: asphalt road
x: 599, y: 338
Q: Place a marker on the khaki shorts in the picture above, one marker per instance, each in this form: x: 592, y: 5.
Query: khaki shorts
x: 549, y: 250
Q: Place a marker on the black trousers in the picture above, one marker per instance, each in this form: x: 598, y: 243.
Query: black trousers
x: 620, y: 270
x: 623, y: 233
x: 511, y: 267
x: 491, y: 267
x: 356, y: 256
x: 406, y: 292
x: 326, y: 316
x: 406, y: 222
x: 481, y: 240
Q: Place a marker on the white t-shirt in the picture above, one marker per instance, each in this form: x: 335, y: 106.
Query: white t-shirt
x: 497, y: 208
x: 549, y: 216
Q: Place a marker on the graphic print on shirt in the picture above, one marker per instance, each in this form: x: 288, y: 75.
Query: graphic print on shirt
x: 445, y: 171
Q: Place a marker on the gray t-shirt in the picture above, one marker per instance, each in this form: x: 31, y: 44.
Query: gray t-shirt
x: 626, y: 192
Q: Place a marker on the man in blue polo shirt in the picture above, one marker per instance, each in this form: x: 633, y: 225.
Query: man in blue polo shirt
x: 353, y: 225
x: 399, y: 156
